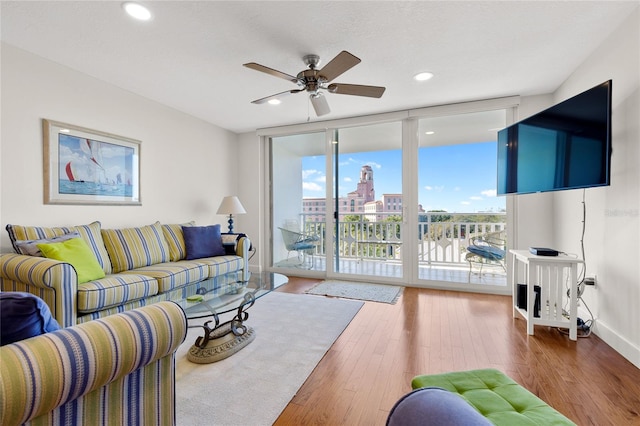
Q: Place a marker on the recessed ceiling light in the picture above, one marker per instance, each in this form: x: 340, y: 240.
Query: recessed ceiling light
x: 423, y: 76
x: 430, y: 132
x: 274, y: 101
x: 137, y: 11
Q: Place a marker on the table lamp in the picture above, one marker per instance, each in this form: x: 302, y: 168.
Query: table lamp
x: 231, y: 205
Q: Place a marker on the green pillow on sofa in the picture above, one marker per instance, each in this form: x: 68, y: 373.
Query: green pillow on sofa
x: 78, y: 253
x: 90, y: 234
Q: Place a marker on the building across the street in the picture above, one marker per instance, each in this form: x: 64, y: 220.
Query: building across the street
x: 360, y: 201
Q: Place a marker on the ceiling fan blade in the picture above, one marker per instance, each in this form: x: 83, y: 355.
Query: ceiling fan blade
x: 276, y: 96
x: 338, y: 65
x: 271, y: 71
x: 320, y: 104
x: 356, y: 89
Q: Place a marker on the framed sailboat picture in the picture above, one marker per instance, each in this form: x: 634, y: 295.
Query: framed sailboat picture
x: 84, y: 166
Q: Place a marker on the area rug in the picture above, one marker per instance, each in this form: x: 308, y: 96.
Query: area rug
x: 252, y: 387
x: 360, y: 291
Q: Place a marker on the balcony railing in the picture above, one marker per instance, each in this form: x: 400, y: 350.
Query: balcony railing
x: 442, y: 236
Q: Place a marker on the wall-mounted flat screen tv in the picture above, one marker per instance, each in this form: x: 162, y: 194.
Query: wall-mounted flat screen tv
x: 566, y: 146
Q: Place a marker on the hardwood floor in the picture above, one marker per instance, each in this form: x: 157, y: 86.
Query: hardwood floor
x: 370, y: 366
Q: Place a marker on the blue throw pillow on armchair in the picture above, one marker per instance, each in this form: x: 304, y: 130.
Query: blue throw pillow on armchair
x: 202, y: 241
x: 23, y: 315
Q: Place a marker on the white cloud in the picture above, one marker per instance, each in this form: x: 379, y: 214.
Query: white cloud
x: 457, y: 188
x: 309, y: 172
x: 489, y: 192
x: 311, y: 186
x: 465, y: 203
x: 348, y: 179
x: 322, y: 179
x: 475, y: 198
x: 349, y: 161
x: 428, y: 188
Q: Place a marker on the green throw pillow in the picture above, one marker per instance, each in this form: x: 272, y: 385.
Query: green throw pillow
x: 78, y: 253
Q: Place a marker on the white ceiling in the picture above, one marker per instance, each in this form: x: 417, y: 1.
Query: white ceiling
x: 190, y: 55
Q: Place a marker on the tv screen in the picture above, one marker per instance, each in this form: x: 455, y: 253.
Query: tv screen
x: 566, y: 146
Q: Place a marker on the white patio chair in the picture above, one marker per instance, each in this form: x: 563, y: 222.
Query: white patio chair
x: 304, y: 245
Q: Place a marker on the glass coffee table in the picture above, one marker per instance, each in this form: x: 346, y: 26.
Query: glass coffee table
x: 225, y: 332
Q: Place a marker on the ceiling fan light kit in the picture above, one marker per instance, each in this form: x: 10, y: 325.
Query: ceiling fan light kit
x: 313, y: 81
x: 320, y: 104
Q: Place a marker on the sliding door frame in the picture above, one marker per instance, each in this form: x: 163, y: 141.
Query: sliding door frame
x: 410, y: 143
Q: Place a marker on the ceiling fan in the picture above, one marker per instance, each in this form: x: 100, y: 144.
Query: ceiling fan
x: 313, y: 80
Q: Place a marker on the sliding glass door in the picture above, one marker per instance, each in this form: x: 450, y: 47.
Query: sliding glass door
x: 399, y: 200
x: 457, y: 192
x: 298, y: 207
x: 367, y: 202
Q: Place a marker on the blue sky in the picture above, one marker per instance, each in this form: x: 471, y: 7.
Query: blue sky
x: 455, y: 178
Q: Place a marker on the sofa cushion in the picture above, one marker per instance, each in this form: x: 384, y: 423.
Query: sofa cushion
x: 131, y: 248
x: 203, y: 241
x: 171, y: 275
x: 23, y: 315
x: 221, y: 265
x: 175, y: 240
x: 30, y: 247
x: 90, y: 234
x: 76, y: 252
x: 114, y: 290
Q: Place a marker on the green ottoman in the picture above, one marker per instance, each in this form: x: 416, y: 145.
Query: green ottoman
x: 496, y: 396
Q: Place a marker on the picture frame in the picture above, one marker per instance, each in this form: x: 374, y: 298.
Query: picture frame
x: 90, y: 167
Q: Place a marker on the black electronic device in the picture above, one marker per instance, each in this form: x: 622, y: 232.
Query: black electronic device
x: 566, y: 146
x: 521, y: 297
x: 543, y: 251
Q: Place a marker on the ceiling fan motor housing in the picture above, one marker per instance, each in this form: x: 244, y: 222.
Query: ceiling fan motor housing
x: 311, y: 80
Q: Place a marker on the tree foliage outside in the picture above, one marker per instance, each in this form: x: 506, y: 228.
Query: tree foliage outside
x: 454, y: 225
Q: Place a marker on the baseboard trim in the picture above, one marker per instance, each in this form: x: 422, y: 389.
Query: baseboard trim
x: 621, y: 345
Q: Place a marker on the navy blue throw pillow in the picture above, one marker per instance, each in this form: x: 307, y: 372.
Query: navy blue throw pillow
x: 203, y: 241
x: 23, y: 315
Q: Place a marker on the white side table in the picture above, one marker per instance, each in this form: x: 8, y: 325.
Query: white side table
x: 550, y: 273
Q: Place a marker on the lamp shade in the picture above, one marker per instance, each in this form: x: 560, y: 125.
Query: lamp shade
x: 231, y: 205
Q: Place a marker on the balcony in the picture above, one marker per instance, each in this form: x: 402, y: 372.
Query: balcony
x: 373, y: 245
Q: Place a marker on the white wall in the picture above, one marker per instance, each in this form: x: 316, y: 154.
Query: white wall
x: 251, y: 193
x: 187, y: 165
x: 612, y: 237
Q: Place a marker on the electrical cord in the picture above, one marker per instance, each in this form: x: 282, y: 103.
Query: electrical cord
x: 585, y: 326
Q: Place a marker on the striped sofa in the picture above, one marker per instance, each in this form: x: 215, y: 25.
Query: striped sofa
x: 115, y: 370
x: 142, y: 266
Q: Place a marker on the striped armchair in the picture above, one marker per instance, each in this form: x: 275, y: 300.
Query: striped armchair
x: 116, y: 370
